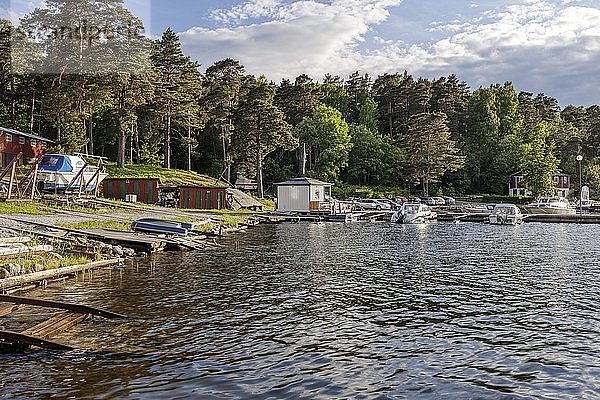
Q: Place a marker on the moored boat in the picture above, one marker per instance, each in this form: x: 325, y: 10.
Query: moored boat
x: 506, y: 214
x: 413, y: 213
x: 550, y: 205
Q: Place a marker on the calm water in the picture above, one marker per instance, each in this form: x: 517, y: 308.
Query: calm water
x: 442, y: 310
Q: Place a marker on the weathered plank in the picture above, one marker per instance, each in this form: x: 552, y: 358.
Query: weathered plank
x: 53, y: 273
x: 55, y: 325
x: 15, y: 239
x: 7, y: 310
x: 27, y: 340
x: 78, y: 308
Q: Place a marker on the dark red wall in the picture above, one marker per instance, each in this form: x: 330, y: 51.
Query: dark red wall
x: 146, y: 190
x: 13, y: 148
x: 202, y: 198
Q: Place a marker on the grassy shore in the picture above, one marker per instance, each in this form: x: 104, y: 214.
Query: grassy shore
x: 112, y: 215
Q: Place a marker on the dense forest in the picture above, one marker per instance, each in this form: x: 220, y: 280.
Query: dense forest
x: 431, y: 136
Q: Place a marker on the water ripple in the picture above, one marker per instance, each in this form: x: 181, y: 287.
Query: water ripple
x: 341, y: 311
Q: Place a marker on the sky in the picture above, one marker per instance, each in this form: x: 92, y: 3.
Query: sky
x: 549, y: 46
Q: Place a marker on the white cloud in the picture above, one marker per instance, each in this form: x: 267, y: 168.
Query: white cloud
x: 541, y: 45
x: 250, y: 9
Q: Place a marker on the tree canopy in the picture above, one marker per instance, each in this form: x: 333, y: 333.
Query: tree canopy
x: 156, y: 105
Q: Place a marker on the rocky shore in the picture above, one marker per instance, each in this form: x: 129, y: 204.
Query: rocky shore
x: 33, y: 243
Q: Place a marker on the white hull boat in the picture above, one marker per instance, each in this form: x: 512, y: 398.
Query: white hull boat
x: 551, y: 205
x: 506, y: 214
x: 413, y: 213
x: 58, y: 172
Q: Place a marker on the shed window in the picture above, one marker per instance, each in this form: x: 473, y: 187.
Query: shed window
x: 8, y: 137
x: 21, y: 140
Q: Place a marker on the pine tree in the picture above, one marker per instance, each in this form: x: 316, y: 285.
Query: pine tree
x: 223, y: 84
x: 430, y: 151
x: 177, y: 89
x: 261, y: 127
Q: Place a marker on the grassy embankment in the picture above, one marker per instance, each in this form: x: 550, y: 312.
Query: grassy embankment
x: 176, y: 177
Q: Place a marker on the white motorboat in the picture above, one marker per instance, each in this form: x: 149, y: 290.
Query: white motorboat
x: 506, y: 214
x: 59, y: 172
x: 413, y: 213
x: 550, y: 205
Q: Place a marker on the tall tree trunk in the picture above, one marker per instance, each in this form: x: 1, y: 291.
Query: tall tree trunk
x: 259, y: 172
x: 131, y: 132
x: 189, y: 147
x: 31, y: 121
x: 390, y: 121
x: 13, y: 98
x: 91, y: 135
x: 122, y: 145
x: 168, y: 142
x: 136, y: 139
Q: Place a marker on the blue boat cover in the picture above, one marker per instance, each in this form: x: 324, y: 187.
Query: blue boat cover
x: 56, y: 162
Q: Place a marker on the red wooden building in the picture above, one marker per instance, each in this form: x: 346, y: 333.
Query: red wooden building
x: 13, y: 142
x: 202, y: 198
x: 517, y: 186
x: 145, y: 190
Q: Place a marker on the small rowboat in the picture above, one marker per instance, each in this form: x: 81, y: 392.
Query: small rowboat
x: 161, y: 226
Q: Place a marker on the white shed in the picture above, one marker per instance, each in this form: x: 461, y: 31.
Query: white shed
x: 303, y: 195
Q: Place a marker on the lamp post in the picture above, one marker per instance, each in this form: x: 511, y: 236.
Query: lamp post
x: 579, y: 158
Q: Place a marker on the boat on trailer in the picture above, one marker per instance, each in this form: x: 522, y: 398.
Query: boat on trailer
x: 161, y: 226
x: 61, y: 172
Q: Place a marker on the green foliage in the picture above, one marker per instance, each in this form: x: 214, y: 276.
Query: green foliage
x: 232, y: 221
x: 150, y: 155
x: 327, y: 137
x: 113, y: 225
x: 162, y: 110
x: 166, y: 176
x: 48, y: 262
x: 592, y: 172
x: 431, y: 153
x: 539, y: 164
x: 23, y: 207
x: 335, y: 95
x: 261, y: 128
x: 373, y: 159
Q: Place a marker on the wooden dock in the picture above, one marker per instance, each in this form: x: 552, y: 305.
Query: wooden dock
x: 564, y: 218
x: 40, y: 335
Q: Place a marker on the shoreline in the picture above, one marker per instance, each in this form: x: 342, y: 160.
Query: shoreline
x: 68, y: 246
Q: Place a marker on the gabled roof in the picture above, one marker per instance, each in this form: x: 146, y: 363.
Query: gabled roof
x: 303, y: 181
x: 519, y: 173
x: 29, y: 135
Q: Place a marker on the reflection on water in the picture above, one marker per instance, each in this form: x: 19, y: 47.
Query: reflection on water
x: 339, y: 311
